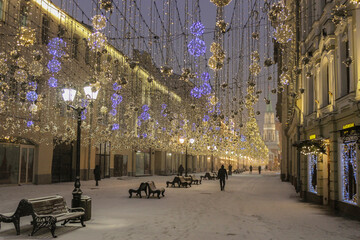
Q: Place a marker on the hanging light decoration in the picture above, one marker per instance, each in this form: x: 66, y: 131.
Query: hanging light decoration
x: 197, y: 47
x: 97, y: 41
x: 197, y: 29
x: 56, y: 47
x: 220, y: 3
x: 283, y: 33
x: 222, y: 25
x: 27, y: 37
x: 107, y: 5
x: 99, y: 22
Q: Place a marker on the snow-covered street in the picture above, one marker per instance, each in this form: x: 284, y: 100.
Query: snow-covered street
x: 251, y: 207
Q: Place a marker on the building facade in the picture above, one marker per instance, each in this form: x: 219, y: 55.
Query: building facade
x: 319, y: 109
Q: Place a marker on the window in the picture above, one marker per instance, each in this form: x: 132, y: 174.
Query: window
x: 87, y: 52
x: 75, y: 48
x: 325, y: 85
x: 349, y: 172
x: 2, y: 6
x: 45, y: 30
x: 24, y: 10
x: 310, y: 95
x: 61, y: 31
x: 347, y: 55
x: 103, y: 158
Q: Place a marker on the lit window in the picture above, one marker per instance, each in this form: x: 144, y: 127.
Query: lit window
x: 1, y: 9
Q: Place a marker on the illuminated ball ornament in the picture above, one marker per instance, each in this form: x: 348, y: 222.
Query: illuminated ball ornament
x: 283, y: 33
x: 197, y: 47
x: 220, y: 3
x: 27, y: 37
x: 96, y: 41
x: 197, y: 29
x: 36, y: 69
x: 56, y: 47
x: 196, y: 92
x: 99, y: 22
x: 215, y: 63
x: 53, y: 82
x: 31, y: 96
x: 20, y: 75
x: 54, y: 65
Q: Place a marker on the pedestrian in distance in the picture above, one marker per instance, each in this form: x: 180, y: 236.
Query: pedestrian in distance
x: 259, y: 169
x: 97, y: 174
x: 222, y: 174
x: 180, y: 170
x: 230, y: 169
x: 250, y: 169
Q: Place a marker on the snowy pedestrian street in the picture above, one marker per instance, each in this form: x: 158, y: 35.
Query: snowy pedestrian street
x: 252, y: 206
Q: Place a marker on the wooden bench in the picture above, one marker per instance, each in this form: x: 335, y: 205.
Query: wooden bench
x: 194, y: 180
x: 143, y: 187
x: 23, y: 209
x: 152, y: 190
x: 173, y: 182
x: 47, y: 211
x: 209, y: 176
x: 185, y: 182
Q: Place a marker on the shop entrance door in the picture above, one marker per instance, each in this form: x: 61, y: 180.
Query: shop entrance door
x: 26, y: 164
x: 120, y: 165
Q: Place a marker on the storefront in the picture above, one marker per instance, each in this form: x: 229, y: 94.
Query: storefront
x: 348, y: 164
x: 17, y: 162
x: 142, y: 163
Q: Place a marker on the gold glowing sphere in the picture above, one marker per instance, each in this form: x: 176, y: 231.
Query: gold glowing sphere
x: 220, y: 3
x: 99, y: 22
x: 27, y: 37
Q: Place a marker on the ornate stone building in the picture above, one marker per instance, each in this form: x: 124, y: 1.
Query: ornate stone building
x: 271, y: 138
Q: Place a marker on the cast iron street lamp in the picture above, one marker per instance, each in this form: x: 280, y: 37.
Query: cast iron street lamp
x: 191, y: 141
x: 68, y: 95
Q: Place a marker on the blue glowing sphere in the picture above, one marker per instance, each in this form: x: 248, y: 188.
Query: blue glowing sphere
x: 31, y: 96
x: 116, y: 99
x: 29, y: 123
x: 53, y: 82
x: 197, y: 29
x: 54, y: 65
x: 196, y: 92
x: 56, y: 47
x: 197, y: 47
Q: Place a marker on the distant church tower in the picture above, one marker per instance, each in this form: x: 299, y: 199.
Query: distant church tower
x: 271, y: 137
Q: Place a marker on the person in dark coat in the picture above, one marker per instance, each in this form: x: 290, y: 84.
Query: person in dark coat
x: 250, y: 169
x: 259, y: 169
x: 97, y: 174
x: 230, y: 169
x: 222, y: 174
x: 180, y: 170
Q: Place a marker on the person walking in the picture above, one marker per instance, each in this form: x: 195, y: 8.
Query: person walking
x: 180, y: 170
x: 222, y: 174
x: 250, y: 169
x: 259, y: 169
x: 230, y: 169
x: 97, y: 174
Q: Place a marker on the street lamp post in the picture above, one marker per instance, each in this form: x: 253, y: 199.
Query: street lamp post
x: 191, y: 141
x: 69, y: 96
